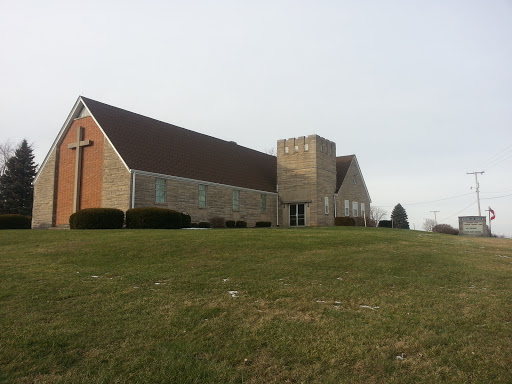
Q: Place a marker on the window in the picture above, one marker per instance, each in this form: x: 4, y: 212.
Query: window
x: 285, y: 149
x: 347, y: 208
x: 296, y: 148
x: 160, y: 190
x: 355, y: 212
x: 306, y: 147
x: 263, y: 206
x: 202, y: 195
x: 363, y: 210
x: 236, y: 200
x: 326, y: 205
x: 297, y: 215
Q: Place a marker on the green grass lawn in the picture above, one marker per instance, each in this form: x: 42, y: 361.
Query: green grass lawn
x: 312, y: 305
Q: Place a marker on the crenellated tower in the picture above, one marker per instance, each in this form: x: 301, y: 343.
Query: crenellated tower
x: 306, y: 181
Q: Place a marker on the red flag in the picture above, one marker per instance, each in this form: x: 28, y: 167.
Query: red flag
x: 493, y: 215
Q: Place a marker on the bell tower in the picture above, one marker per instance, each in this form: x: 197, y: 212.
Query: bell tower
x: 306, y: 181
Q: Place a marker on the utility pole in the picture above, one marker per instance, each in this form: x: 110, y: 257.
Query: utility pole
x: 477, y: 189
x: 435, y: 216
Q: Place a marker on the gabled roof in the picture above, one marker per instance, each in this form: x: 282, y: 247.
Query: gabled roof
x: 343, y: 164
x: 150, y: 145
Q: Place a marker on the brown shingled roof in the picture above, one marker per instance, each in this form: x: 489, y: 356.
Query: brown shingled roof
x: 150, y: 145
x: 342, y: 166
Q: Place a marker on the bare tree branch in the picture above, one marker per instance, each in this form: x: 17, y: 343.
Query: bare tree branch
x: 6, y: 152
x: 429, y: 224
x: 271, y: 151
x: 376, y: 214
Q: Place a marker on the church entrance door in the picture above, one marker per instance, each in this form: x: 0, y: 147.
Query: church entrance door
x: 297, y: 215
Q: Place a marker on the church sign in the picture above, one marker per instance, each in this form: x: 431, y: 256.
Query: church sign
x: 473, y: 225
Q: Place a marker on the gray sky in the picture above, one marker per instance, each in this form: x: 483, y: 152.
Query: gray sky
x: 420, y: 91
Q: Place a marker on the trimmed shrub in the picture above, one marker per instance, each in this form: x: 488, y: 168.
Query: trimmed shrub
x: 97, y: 218
x: 445, y: 228
x: 186, y: 220
x: 344, y: 221
x: 230, y: 223
x: 218, y: 222
x: 153, y: 218
x: 263, y: 224
x: 194, y: 225
x: 385, y: 224
x: 15, y: 221
x: 359, y: 221
x: 241, y: 224
x: 203, y: 224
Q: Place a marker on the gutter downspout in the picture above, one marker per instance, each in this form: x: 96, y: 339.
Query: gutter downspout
x: 277, y: 206
x: 335, y: 210
x: 133, y: 188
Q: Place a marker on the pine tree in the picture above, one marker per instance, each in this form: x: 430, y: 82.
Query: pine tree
x: 399, y: 217
x: 16, y: 188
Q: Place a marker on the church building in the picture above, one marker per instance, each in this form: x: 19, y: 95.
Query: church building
x: 108, y: 157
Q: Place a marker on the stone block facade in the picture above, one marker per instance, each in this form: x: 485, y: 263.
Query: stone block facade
x: 116, y: 192
x: 306, y: 179
x: 353, y: 195
x: 44, y: 195
x: 183, y: 196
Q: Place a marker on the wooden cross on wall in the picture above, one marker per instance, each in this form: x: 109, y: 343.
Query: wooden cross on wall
x: 78, y: 164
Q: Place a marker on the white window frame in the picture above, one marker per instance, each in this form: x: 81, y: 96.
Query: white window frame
x: 355, y: 209
x: 160, y: 190
x: 235, y: 197
x: 202, y: 199
x: 347, y: 208
x: 326, y: 205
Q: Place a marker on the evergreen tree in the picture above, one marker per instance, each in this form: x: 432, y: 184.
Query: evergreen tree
x: 399, y: 217
x: 16, y: 188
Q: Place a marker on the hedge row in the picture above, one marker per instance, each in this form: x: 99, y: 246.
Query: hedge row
x: 97, y: 218
x: 154, y: 218
x: 14, y: 221
x: 136, y: 218
x: 344, y: 221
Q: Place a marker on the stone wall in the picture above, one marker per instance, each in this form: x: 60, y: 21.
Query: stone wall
x: 353, y: 190
x: 183, y: 196
x: 306, y: 173
x: 116, y: 180
x: 44, y: 195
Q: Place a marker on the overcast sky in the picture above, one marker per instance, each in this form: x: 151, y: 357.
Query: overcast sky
x: 420, y: 91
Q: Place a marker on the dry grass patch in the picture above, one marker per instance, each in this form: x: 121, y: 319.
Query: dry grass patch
x: 328, y: 305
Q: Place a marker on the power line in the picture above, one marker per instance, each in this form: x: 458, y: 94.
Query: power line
x: 496, y: 197
x: 499, y: 161
x: 449, y: 217
x: 508, y: 190
x: 484, y: 164
x: 427, y: 202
